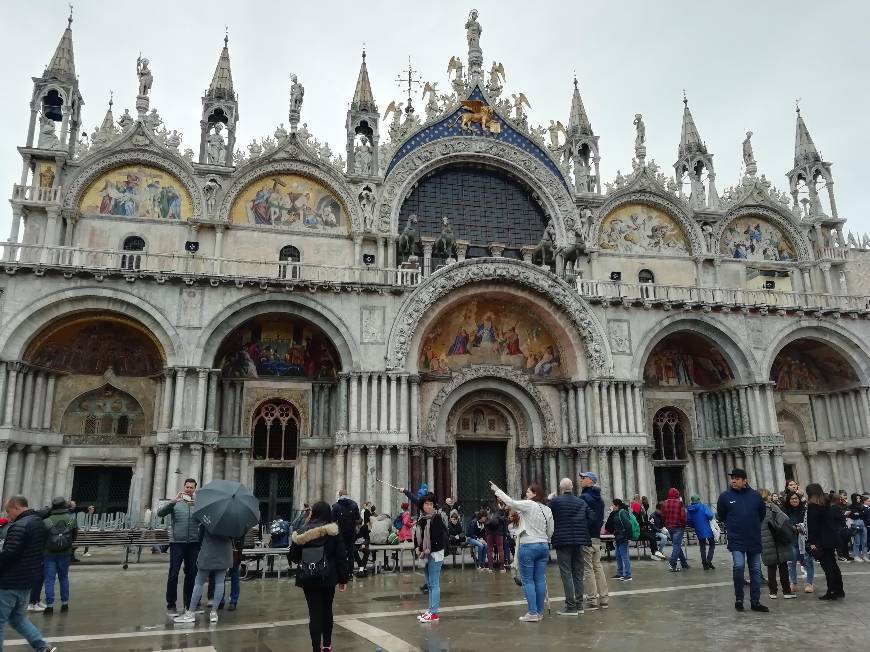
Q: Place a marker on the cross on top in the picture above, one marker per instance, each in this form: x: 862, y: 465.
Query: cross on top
x: 409, y: 77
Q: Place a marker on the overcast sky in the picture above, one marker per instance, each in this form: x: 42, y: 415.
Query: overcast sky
x: 742, y: 64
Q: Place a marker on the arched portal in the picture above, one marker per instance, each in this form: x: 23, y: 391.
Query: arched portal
x: 275, y: 431
x: 671, y: 452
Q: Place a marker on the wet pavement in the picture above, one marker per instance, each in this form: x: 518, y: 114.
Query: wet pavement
x: 114, y: 609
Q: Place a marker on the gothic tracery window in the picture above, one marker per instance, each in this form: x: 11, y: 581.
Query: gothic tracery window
x: 275, y: 431
x: 670, y: 439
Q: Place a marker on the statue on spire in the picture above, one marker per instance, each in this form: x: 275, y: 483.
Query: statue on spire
x: 749, y: 156
x: 297, y: 91
x: 473, y: 30
x: 146, y: 79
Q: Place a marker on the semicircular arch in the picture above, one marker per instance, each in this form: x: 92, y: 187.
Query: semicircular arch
x: 555, y: 197
x: 781, y: 220
x: 406, y: 331
x: 740, y: 362
x: 17, y: 334
x: 236, y: 314
x: 501, y: 402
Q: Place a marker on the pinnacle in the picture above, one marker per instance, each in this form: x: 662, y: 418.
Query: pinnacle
x: 578, y: 121
x: 222, y: 80
x: 363, y: 98
x: 690, y: 139
x: 804, y: 147
x: 62, y: 64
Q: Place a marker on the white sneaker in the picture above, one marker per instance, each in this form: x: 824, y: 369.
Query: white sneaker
x: 87, y: 554
x: 773, y: 596
x: 420, y: 616
x: 860, y: 559
x: 36, y: 607
x: 789, y: 596
x: 658, y: 553
x: 186, y: 617
x: 213, y: 617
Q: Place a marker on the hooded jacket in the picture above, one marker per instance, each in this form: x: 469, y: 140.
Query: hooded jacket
x: 742, y: 512
x: 21, y: 556
x: 344, y: 512
x: 592, y: 496
x: 215, y: 552
x: 571, y: 516
x: 698, y: 516
x: 773, y: 553
x: 326, y: 535
x: 673, y: 510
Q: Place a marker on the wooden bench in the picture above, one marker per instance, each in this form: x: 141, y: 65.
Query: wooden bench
x: 398, y: 551
x: 264, y: 555
x: 126, y: 538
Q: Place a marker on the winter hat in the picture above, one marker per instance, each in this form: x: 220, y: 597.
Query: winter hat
x: 696, y: 498
x: 58, y: 502
x: 405, y: 505
x: 635, y: 507
x: 673, y: 492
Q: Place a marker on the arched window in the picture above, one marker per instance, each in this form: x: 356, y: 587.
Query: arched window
x: 275, y: 431
x: 131, y: 259
x: 670, y: 440
x: 289, y: 258
x: 646, y: 278
x: 104, y: 411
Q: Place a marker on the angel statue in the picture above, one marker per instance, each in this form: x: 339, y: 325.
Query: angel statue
x: 455, y: 66
x: 554, y: 129
x: 496, y: 75
x: 432, y: 107
x: 519, y: 100
x: 395, y: 125
x: 146, y: 79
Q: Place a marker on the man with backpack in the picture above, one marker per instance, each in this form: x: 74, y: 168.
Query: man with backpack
x: 345, y: 513
x: 674, y: 519
x: 62, y: 532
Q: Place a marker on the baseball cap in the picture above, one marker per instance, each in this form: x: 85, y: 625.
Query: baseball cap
x: 738, y: 473
x: 589, y: 474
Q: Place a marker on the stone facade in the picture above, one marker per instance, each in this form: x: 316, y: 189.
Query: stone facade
x: 275, y: 316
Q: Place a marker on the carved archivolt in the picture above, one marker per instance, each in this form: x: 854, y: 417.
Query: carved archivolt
x: 493, y: 371
x: 556, y: 198
x: 793, y: 233
x: 505, y: 403
x: 666, y: 204
x: 159, y: 159
x: 449, y: 278
x: 292, y: 160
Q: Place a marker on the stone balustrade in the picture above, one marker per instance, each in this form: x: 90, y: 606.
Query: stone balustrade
x: 36, y: 194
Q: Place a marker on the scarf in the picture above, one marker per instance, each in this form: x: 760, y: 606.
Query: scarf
x: 426, y: 545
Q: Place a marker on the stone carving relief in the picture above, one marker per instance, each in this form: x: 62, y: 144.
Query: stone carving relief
x: 450, y: 278
x: 504, y: 373
x: 372, y: 324
x: 619, y: 333
x: 504, y: 401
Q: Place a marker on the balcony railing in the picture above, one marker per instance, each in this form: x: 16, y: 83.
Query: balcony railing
x: 832, y: 253
x: 36, y: 194
x: 133, y: 264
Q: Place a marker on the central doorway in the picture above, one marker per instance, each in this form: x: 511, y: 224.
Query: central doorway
x: 273, y: 488
x: 478, y: 463
x: 107, y: 488
x: 667, y: 477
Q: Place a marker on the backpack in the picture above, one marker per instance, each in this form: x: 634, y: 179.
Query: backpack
x: 313, y: 564
x: 279, y: 527
x: 635, y: 527
x: 397, y: 522
x: 60, y: 537
x: 783, y: 535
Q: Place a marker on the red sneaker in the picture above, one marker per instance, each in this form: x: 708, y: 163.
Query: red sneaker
x: 429, y: 618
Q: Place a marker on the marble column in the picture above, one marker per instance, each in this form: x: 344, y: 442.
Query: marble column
x: 711, y: 478
x: 371, y: 473
x: 158, y: 488
x: 856, y: 428
x: 166, y: 400
x: 631, y: 487
x: 835, y: 470
x: 302, y: 478
x: 383, y: 423
x: 20, y: 396
x: 554, y: 474
x: 596, y: 407
x: 338, y: 458
x: 614, y: 422
x: 857, y: 483
x: 643, y: 484
x: 29, y: 475
x: 319, y: 489
x: 416, y: 469
x: 638, y: 408
x: 178, y: 409
x: 403, y: 404
x: 605, y: 407
x: 49, y: 475
x: 4, y: 458
x: 771, y: 408
x: 27, y: 405
x: 373, y: 408
x: 394, y: 403
x: 757, y: 410
x: 343, y: 402
x: 211, y: 403
x: 564, y: 426
x: 208, y: 465
x: 621, y: 408
x: 386, y: 504
x: 582, y: 430
x: 571, y: 399
x: 50, y: 385
x: 630, y: 412
x: 229, y: 466
x: 173, y: 473
x: 14, y: 462
x: 244, y: 467
x: 414, y: 432
x: 201, y: 390
x: 761, y: 473
x: 37, y: 408
x: 604, y: 473
x: 779, y: 470
x: 430, y: 470
x: 402, y: 467
x: 196, y: 463
x: 363, y: 405
x: 356, y: 473
x: 353, y: 380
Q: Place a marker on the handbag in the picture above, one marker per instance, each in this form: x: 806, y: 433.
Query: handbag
x: 314, y: 564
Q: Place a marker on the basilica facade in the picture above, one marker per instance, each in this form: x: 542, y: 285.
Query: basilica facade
x: 456, y: 297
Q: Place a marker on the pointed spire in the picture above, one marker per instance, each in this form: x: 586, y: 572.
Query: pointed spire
x: 578, y: 121
x: 690, y: 139
x: 62, y: 64
x: 222, y: 81
x: 363, y: 99
x: 804, y: 147
x: 109, y: 119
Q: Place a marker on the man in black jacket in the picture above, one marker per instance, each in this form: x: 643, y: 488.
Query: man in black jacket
x: 20, y: 569
x: 571, y: 516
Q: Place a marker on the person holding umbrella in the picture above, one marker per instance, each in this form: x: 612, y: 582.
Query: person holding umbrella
x: 225, y: 510
x: 323, y: 563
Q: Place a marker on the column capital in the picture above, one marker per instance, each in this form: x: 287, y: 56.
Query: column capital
x: 175, y: 448
x: 355, y: 449
x: 53, y: 451
x: 33, y: 449
x: 523, y: 453
x: 5, y: 445
x: 341, y: 449
x: 537, y: 453
x: 581, y: 450
x: 246, y: 454
x: 160, y: 449
x: 416, y: 450
x: 304, y: 453
x: 203, y: 372
x: 196, y: 448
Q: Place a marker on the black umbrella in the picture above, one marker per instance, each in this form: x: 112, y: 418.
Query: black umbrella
x: 226, y: 508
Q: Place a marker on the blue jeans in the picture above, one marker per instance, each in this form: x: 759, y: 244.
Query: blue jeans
x: 677, y: 553
x: 859, y: 537
x: 481, y: 551
x: 433, y: 579
x: 235, y: 584
x: 56, y: 565
x: 740, y: 560
x: 12, y: 605
x: 202, y: 581
x: 806, y: 560
x: 181, y: 553
x: 533, y: 558
x: 623, y: 562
